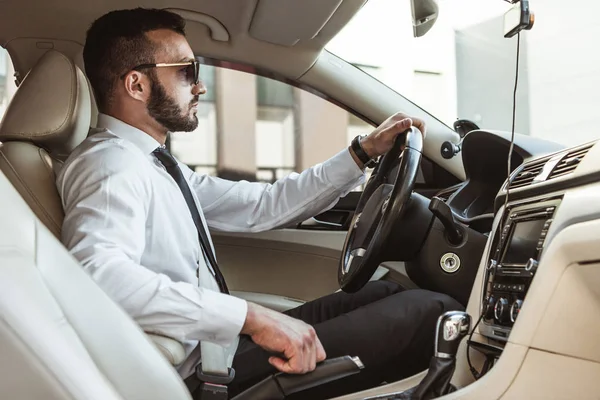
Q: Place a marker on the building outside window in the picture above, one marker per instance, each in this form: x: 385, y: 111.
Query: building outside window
x: 259, y: 129
x: 198, y: 149
x: 275, y: 129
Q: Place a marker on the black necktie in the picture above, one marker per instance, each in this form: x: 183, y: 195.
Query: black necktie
x: 173, y: 169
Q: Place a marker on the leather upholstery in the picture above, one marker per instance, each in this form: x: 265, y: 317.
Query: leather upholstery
x: 31, y: 171
x: 171, y: 349
x: 61, y: 337
x: 48, y: 116
x: 51, y: 108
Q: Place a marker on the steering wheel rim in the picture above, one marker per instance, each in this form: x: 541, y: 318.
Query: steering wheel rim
x: 379, y: 207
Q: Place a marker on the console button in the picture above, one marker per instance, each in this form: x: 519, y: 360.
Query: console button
x: 501, y: 310
x: 514, y: 309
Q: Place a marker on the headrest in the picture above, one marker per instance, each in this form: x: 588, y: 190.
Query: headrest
x: 51, y: 107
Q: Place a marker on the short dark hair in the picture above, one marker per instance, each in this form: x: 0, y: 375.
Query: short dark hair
x: 117, y: 42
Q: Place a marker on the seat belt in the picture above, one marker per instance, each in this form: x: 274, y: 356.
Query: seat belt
x: 212, y: 373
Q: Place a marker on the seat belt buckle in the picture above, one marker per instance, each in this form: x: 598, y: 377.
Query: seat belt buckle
x: 213, y: 391
x: 214, y: 387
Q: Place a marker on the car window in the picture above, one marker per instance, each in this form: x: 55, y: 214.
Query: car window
x: 465, y: 68
x: 7, y: 83
x: 260, y: 129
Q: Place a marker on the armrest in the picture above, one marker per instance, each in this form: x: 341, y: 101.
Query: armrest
x: 170, y: 348
x: 280, y: 385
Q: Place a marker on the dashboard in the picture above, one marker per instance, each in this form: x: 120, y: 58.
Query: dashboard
x: 532, y: 262
x: 485, y: 160
x: 535, y: 190
x: 516, y: 299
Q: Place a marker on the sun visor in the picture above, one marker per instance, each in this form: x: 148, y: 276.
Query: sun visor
x: 286, y: 22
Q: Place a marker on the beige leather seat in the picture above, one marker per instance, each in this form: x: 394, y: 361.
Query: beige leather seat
x: 61, y: 337
x: 47, y: 118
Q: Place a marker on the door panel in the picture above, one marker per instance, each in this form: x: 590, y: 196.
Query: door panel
x: 272, y: 301
x: 296, y: 265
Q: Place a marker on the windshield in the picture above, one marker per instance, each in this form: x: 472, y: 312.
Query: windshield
x: 465, y: 68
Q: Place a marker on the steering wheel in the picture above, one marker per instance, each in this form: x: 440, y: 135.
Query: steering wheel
x: 380, y: 207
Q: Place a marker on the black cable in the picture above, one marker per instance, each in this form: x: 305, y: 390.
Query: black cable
x: 474, y: 371
x: 514, y: 114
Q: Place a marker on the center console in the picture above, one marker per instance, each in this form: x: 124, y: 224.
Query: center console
x: 512, y: 264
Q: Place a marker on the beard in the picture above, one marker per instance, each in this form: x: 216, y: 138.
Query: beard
x: 165, y: 110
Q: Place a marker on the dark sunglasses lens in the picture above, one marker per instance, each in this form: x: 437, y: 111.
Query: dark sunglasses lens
x: 190, y: 73
x: 193, y: 73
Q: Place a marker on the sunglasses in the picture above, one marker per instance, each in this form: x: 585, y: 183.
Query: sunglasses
x: 192, y: 72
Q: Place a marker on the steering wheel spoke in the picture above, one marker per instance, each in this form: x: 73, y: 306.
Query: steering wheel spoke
x: 380, y: 205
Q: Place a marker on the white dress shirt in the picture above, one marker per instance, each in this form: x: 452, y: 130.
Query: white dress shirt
x: 128, y: 224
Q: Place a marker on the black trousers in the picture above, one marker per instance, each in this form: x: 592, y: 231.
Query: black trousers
x: 392, y: 331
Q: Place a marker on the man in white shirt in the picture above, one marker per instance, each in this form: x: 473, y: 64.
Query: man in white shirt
x: 136, y: 220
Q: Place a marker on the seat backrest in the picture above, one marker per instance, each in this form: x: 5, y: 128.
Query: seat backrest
x: 61, y: 336
x: 48, y: 116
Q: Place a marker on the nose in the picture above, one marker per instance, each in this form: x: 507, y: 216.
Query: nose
x: 199, y: 89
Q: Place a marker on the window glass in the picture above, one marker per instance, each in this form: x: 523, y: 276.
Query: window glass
x: 272, y: 93
x: 465, y: 68
x: 259, y: 129
x: 275, y: 129
x: 198, y: 149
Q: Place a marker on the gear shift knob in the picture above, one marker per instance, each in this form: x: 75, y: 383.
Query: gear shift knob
x: 452, y: 327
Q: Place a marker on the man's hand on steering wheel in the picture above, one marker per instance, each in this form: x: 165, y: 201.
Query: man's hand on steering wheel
x: 381, y: 140
x: 385, y: 199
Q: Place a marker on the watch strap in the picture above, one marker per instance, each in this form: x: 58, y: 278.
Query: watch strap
x: 362, y: 155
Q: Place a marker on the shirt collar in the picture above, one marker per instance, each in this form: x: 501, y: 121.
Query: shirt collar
x: 146, y: 143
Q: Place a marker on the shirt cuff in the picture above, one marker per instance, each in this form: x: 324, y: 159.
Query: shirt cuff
x: 229, y: 316
x: 342, y: 170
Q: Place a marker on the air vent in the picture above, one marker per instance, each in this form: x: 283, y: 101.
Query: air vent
x: 528, y: 173
x: 569, y: 162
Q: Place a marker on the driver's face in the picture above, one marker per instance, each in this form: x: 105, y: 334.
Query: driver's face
x: 174, y: 97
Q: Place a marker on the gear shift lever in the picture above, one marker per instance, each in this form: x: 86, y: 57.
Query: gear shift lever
x: 451, y: 328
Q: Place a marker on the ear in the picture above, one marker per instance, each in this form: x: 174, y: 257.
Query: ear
x: 137, y: 85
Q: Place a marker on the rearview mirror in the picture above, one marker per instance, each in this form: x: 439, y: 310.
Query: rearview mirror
x: 424, y: 15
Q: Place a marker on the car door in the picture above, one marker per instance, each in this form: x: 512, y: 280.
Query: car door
x: 260, y: 129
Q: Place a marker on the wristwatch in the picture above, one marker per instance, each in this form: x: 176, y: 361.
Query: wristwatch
x: 362, y: 155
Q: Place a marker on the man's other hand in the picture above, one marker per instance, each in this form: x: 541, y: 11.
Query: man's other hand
x: 295, y: 342
x: 381, y: 140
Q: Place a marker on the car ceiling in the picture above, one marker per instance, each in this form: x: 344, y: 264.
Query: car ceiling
x: 281, y: 36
